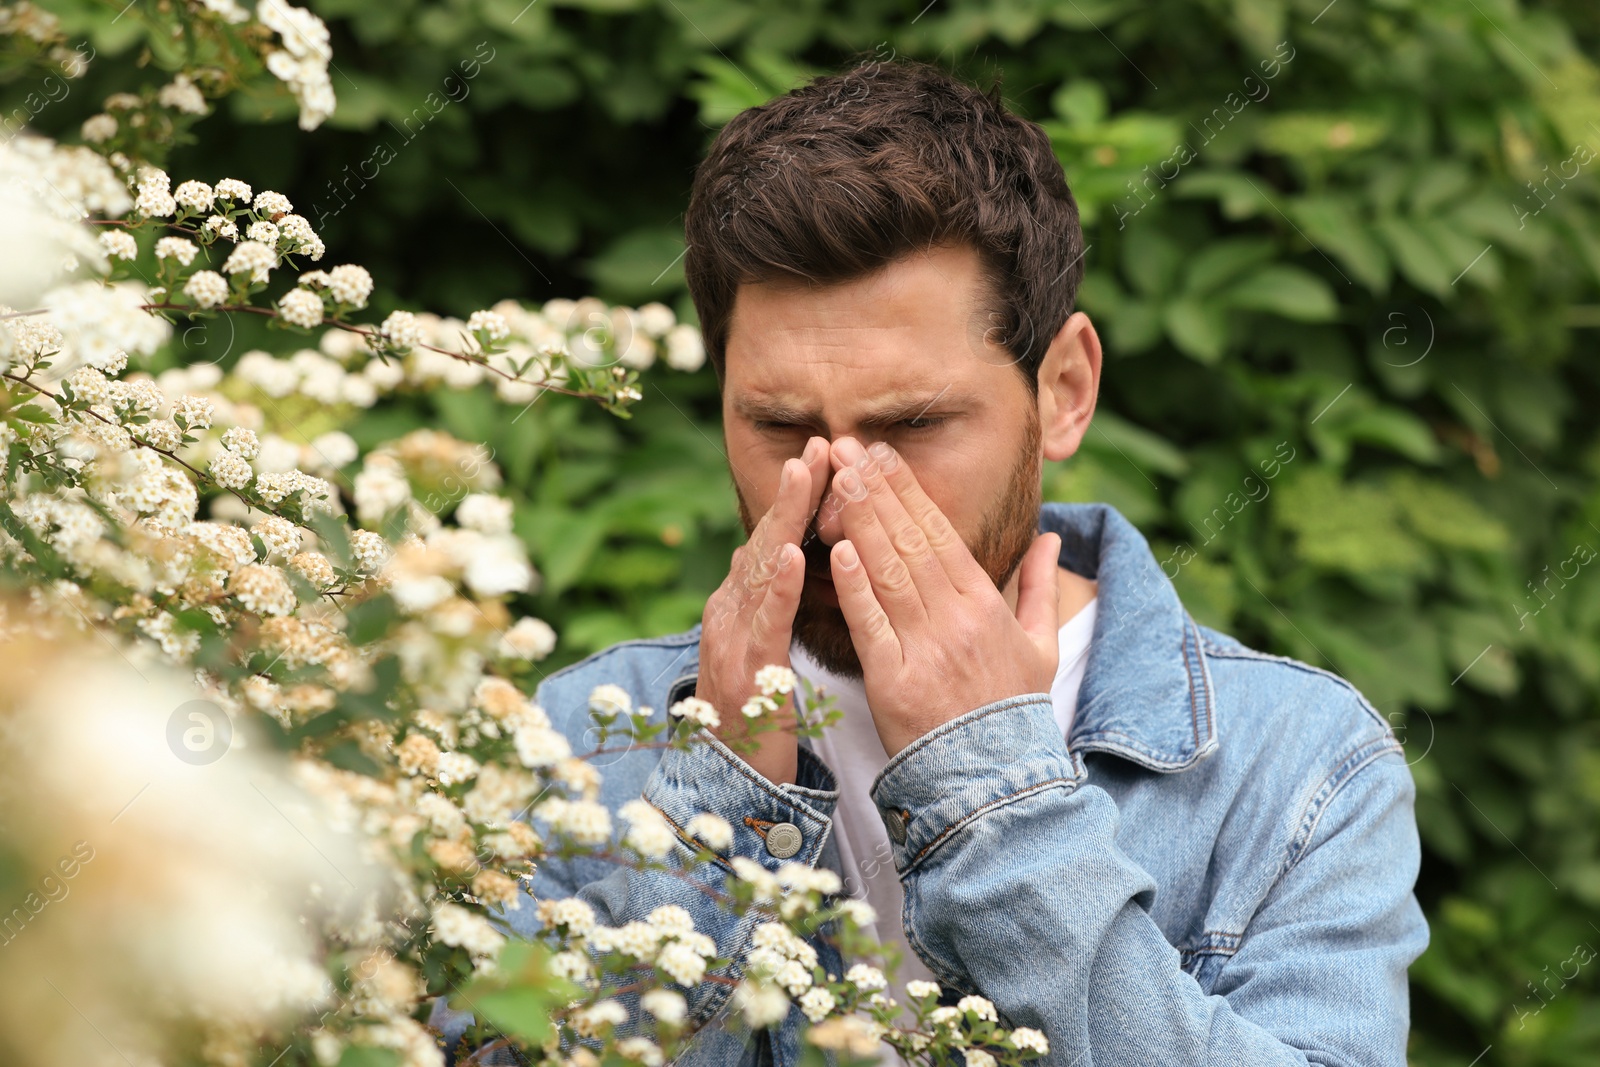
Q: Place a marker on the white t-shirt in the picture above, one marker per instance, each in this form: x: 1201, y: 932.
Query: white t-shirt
x: 852, y: 750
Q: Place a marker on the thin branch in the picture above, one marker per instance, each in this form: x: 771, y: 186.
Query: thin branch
x: 370, y: 332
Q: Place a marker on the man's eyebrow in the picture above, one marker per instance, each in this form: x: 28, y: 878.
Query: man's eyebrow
x: 898, y: 409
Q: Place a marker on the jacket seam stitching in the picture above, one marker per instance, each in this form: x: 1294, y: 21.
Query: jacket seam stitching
x: 953, y: 827
x: 945, y: 729
x: 1358, y: 760
x: 1244, y: 652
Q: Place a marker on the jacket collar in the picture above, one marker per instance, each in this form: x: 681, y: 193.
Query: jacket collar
x: 1146, y: 693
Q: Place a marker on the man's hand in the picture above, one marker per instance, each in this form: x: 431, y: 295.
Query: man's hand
x: 749, y: 620
x: 935, y: 637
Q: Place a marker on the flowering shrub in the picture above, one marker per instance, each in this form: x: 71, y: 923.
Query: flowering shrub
x: 191, y: 572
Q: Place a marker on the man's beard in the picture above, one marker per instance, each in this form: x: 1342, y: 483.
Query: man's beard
x: 1003, y: 539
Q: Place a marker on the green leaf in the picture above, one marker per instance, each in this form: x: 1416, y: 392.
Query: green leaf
x: 1220, y: 262
x: 1334, y: 226
x: 1198, y: 327
x: 1419, y: 259
x: 518, y: 997
x: 1286, y: 290
x: 1240, y: 196
x: 1390, y: 428
x: 371, y: 619
x: 644, y: 265
x: 1445, y: 516
x: 1348, y: 527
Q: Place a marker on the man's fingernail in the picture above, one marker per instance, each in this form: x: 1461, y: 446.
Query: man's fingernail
x: 849, y: 449
x: 851, y: 485
x: 883, y: 456
x: 847, y: 555
x: 783, y: 478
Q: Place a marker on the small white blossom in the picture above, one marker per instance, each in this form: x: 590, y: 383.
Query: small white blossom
x: 921, y: 990
x: 576, y: 915
x: 773, y: 679
x: 686, y: 351
x: 976, y: 1057
x: 757, y: 706
x: 196, y: 196
x: 119, y: 244
x: 859, y: 912
x: 665, y: 1005
x: 711, y: 829
x: 230, y: 470
x: 401, y: 330
x: 816, y: 1004
x: 529, y: 639
x: 592, y: 1021
x: 696, y: 710
x: 761, y: 1005
x: 681, y: 963
x: 197, y: 412
x: 98, y: 129
x: 301, y: 307
x: 540, y: 746
x: 350, y: 284
x: 179, y: 248
x: 648, y: 832
x: 155, y: 198
x: 181, y: 94
x: 222, y: 226
x: 980, y: 1007
x: 656, y: 319
x: 866, y: 978
x: 608, y: 701
x: 252, y: 257
x: 206, y: 288
x: 233, y: 189
x: 270, y: 204
x: 490, y: 322
x: 242, y: 439
x: 485, y: 513
x: 1025, y: 1037
x: 263, y: 231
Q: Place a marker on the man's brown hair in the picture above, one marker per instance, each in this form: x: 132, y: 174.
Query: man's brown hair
x: 836, y: 179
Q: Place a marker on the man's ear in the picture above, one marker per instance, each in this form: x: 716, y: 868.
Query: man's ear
x: 1069, y: 384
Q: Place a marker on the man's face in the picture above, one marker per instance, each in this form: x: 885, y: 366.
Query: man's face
x: 907, y: 356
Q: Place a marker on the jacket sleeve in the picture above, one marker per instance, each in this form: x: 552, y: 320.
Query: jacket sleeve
x: 1015, y: 887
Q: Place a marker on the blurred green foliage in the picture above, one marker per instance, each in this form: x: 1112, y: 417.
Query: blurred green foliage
x: 1345, y: 257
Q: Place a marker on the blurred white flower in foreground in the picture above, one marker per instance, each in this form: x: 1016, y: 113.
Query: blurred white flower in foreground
x: 151, y: 900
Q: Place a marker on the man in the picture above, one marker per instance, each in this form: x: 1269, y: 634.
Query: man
x: 1126, y: 830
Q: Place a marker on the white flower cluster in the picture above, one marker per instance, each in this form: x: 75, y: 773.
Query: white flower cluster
x: 302, y: 61
x: 102, y: 324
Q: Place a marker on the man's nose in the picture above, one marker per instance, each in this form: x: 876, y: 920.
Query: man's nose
x: 829, y: 527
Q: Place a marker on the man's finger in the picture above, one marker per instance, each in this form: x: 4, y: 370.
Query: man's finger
x: 773, y: 623
x: 892, y: 583
x: 965, y: 573
x: 870, y: 631
x: 904, y: 534
x: 785, y: 521
x: 1039, y: 592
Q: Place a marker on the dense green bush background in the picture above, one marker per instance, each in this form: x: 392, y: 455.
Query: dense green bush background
x: 1353, y: 269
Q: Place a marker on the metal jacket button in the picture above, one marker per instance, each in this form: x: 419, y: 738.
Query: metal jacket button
x: 896, y: 824
x: 784, y: 840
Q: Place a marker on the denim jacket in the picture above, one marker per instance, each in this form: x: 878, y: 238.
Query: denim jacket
x: 1216, y: 867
